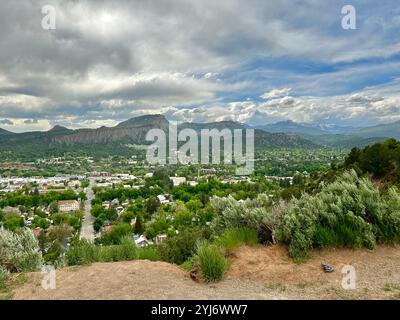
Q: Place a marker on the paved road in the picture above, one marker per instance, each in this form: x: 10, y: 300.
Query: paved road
x: 87, y: 224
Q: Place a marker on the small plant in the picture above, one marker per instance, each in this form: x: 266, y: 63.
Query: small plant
x: 149, y: 253
x: 82, y: 252
x: 4, y: 274
x: 212, y: 262
x: 232, y: 238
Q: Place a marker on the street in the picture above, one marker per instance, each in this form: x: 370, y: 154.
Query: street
x: 87, y: 231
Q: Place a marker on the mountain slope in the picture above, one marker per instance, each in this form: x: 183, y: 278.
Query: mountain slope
x: 391, y: 130
x: 114, y: 140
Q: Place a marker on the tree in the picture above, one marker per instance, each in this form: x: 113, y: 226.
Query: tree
x: 13, y: 222
x: 152, y: 205
x: 139, y: 225
x: 60, y: 232
x: 54, y: 207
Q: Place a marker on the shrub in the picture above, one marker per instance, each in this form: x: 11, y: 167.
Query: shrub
x: 179, y: 248
x: 125, y: 251
x: 19, y: 251
x: 212, y: 262
x: 149, y: 253
x: 4, y: 274
x: 117, y: 232
x: 82, y: 252
x: 236, y: 214
x: 342, y: 214
x: 232, y: 238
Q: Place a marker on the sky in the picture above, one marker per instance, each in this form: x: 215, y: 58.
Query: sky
x: 256, y: 62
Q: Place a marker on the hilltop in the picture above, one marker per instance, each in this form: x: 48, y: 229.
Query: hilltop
x: 256, y: 273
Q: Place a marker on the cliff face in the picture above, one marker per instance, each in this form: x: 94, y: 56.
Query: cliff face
x: 133, y: 130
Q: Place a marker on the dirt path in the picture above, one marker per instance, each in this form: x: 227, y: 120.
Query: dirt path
x: 255, y: 273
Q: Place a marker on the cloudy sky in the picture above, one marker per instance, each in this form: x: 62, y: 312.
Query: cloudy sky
x: 251, y: 61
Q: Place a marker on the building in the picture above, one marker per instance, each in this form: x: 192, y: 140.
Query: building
x: 176, y: 181
x: 160, y: 238
x: 162, y: 198
x: 68, y: 206
x: 142, y: 242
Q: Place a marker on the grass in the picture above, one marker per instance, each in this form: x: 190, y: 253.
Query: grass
x: 212, y: 262
x: 233, y: 238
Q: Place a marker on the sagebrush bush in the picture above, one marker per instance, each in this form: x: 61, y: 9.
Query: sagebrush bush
x: 19, y: 251
x: 235, y: 214
x: 349, y: 212
x: 4, y: 274
x: 212, y: 262
x: 232, y: 238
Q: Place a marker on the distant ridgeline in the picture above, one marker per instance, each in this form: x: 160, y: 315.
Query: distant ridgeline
x: 121, y: 139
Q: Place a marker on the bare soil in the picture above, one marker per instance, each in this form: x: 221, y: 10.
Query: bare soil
x: 255, y: 273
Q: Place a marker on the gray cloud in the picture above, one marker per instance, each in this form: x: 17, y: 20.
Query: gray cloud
x: 108, y: 60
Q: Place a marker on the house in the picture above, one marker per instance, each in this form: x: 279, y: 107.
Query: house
x: 162, y: 198
x: 192, y: 183
x: 142, y: 242
x: 12, y: 210
x: 68, y: 206
x: 160, y: 238
x: 176, y: 181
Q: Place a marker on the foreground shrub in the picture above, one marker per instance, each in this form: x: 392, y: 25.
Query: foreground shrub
x: 4, y: 274
x: 349, y: 212
x: 212, y: 262
x: 82, y: 252
x: 179, y: 248
x: 232, y: 238
x: 238, y: 214
x: 125, y: 251
x: 86, y: 252
x: 149, y: 253
x: 19, y: 251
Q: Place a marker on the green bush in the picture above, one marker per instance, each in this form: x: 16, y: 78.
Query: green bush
x: 232, y: 238
x: 117, y: 232
x: 125, y: 251
x: 212, y: 262
x: 349, y: 212
x: 82, y: 252
x: 86, y: 252
x: 179, y: 248
x: 19, y: 251
x: 237, y: 214
x: 4, y: 274
x: 149, y: 253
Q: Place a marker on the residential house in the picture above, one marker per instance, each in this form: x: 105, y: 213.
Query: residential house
x: 68, y: 206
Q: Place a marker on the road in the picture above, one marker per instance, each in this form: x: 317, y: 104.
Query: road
x: 87, y: 231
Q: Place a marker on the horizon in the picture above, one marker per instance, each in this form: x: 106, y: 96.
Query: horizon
x: 192, y: 122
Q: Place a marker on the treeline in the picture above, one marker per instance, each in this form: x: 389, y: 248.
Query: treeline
x: 381, y: 160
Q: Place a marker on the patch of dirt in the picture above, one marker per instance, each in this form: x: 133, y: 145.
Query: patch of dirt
x: 255, y: 273
x: 377, y: 272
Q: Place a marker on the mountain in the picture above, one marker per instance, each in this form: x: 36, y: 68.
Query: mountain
x: 4, y: 132
x: 336, y: 136
x: 292, y: 127
x: 119, y: 139
x: 391, y: 130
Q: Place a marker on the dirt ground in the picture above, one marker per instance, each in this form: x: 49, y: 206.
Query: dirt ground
x: 255, y: 273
